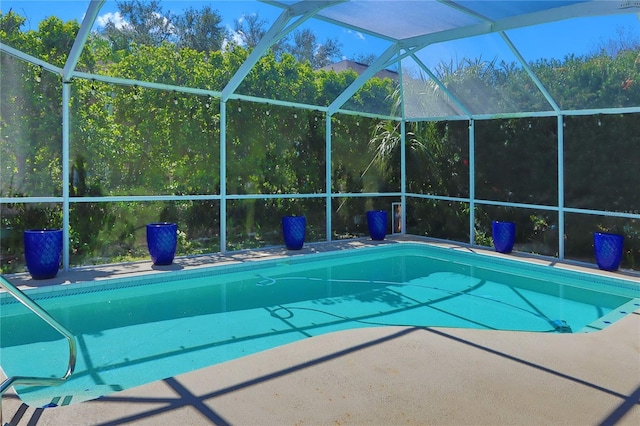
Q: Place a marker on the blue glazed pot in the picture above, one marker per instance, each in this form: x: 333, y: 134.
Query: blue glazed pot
x: 294, y: 229
x: 42, y: 252
x: 377, y: 223
x: 162, y: 239
x: 608, y: 250
x: 504, y: 236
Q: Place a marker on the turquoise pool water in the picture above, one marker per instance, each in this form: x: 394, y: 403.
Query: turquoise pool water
x: 135, y: 331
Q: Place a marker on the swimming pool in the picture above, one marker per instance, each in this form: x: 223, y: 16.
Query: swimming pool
x: 138, y: 330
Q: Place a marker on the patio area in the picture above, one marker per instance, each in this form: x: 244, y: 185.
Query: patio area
x: 226, y: 119
x: 390, y: 375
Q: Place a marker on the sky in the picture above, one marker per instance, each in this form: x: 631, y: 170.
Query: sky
x: 577, y: 36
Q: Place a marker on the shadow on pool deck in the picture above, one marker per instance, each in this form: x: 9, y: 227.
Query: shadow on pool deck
x: 389, y: 375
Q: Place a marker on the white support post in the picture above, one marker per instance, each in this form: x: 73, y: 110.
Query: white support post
x: 472, y: 182
x: 328, y: 182
x: 561, y: 187
x: 66, y: 96
x: 223, y: 176
x: 403, y: 157
x: 403, y: 179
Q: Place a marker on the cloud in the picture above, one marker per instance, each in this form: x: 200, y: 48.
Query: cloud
x: 116, y: 18
x: 356, y: 34
x: 235, y: 37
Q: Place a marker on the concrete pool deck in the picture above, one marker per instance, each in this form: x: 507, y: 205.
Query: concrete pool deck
x: 385, y: 376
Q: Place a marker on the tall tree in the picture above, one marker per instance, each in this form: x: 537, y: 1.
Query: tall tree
x: 10, y: 24
x: 146, y: 23
x: 250, y: 29
x: 306, y: 48
x: 365, y: 58
x: 201, y: 30
x: 625, y: 39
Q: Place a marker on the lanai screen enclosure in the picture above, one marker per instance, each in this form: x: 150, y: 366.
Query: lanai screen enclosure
x: 458, y: 118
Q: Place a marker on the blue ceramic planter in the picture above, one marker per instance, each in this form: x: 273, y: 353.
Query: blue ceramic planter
x: 42, y: 252
x: 377, y: 223
x: 504, y: 236
x: 162, y: 239
x: 608, y: 250
x: 294, y: 229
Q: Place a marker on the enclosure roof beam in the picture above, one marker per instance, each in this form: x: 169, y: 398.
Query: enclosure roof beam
x: 529, y: 71
x: 277, y: 31
x: 29, y: 59
x: 81, y: 38
x: 371, y: 71
x: 465, y: 10
x: 442, y: 87
x: 267, y: 41
x: 303, y: 7
x: 584, y: 9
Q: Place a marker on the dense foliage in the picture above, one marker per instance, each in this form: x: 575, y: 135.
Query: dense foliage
x: 127, y: 140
